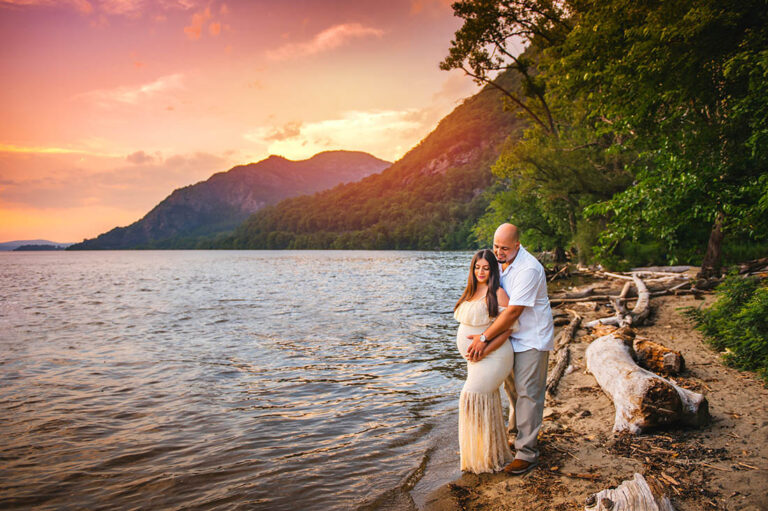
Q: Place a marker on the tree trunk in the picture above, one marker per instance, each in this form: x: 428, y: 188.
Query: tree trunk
x: 632, y: 495
x: 710, y: 266
x: 642, y: 399
x: 560, y: 256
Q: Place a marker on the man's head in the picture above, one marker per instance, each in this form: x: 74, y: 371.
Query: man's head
x: 506, y: 243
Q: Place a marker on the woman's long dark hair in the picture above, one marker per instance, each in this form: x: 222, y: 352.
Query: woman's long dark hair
x: 493, y: 282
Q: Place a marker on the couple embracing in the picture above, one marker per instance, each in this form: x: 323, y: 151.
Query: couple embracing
x: 505, y: 334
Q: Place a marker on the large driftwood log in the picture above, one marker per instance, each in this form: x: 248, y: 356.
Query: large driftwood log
x: 631, y: 495
x: 642, y: 400
x: 563, y: 352
x: 658, y: 358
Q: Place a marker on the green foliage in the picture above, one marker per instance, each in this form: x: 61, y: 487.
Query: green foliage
x: 737, y: 323
x: 685, y: 81
x: 647, y: 121
x: 562, y: 163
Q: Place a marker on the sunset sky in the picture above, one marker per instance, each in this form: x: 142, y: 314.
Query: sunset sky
x: 107, y: 106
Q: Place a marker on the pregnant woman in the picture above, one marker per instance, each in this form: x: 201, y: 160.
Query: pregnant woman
x: 482, y: 435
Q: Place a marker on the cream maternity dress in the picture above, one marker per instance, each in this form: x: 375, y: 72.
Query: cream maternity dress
x: 482, y: 435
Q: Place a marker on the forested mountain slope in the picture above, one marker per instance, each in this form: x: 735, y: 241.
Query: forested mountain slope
x: 227, y: 198
x: 429, y: 199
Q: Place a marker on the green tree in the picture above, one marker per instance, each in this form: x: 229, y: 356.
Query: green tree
x: 563, y: 162
x: 685, y: 83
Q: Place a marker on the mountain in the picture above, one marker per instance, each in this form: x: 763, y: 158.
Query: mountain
x: 227, y: 198
x: 429, y: 199
x: 13, y: 245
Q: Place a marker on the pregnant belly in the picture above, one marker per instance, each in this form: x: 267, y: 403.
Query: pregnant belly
x: 461, y: 336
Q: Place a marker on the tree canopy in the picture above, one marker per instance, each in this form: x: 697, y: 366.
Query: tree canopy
x: 647, y: 121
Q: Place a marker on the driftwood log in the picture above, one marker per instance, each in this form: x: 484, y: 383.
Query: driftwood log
x: 658, y: 358
x: 674, y: 290
x: 642, y: 400
x: 754, y: 265
x: 563, y: 353
x: 623, y: 317
x: 582, y: 292
x: 631, y: 495
x: 665, y: 269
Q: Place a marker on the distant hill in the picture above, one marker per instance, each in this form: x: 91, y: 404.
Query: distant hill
x: 39, y: 248
x: 227, y: 198
x: 429, y: 199
x: 13, y: 245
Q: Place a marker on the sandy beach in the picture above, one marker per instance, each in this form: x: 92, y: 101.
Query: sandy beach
x: 721, y: 466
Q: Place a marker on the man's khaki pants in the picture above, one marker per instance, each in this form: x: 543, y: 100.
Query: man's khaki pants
x: 526, y: 387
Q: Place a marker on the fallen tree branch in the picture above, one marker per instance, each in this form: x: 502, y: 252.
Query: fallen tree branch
x: 666, y: 269
x: 568, y: 332
x: 591, y: 477
x: 563, y: 353
x: 563, y: 358
x: 623, y: 317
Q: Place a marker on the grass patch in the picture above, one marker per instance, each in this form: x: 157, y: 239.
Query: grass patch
x: 736, y: 324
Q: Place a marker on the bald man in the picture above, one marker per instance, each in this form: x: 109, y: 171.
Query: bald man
x: 524, y: 280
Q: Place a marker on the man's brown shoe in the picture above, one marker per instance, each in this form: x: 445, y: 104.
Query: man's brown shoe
x: 519, y: 467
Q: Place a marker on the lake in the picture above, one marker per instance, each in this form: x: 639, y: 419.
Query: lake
x: 228, y: 379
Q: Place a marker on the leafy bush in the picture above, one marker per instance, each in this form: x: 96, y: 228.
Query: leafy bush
x: 737, y: 323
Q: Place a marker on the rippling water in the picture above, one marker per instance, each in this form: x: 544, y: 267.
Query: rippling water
x: 223, y: 380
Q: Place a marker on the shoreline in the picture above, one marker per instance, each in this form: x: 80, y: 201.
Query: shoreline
x: 723, y: 465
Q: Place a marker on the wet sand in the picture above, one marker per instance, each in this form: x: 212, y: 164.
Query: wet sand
x: 721, y: 466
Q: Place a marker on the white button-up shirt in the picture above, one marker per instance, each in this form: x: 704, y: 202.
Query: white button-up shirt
x: 526, y: 284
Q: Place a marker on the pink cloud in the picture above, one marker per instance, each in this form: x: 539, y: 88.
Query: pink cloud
x: 82, y: 6
x: 419, y: 5
x: 326, y: 40
x: 133, y: 94
x: 128, y: 8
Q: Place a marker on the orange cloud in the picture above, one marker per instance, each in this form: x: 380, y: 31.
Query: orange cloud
x: 214, y: 28
x: 195, y: 28
x: 10, y: 148
x: 328, y: 39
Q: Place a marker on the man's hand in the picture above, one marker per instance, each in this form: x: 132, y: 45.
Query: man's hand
x: 476, y: 349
